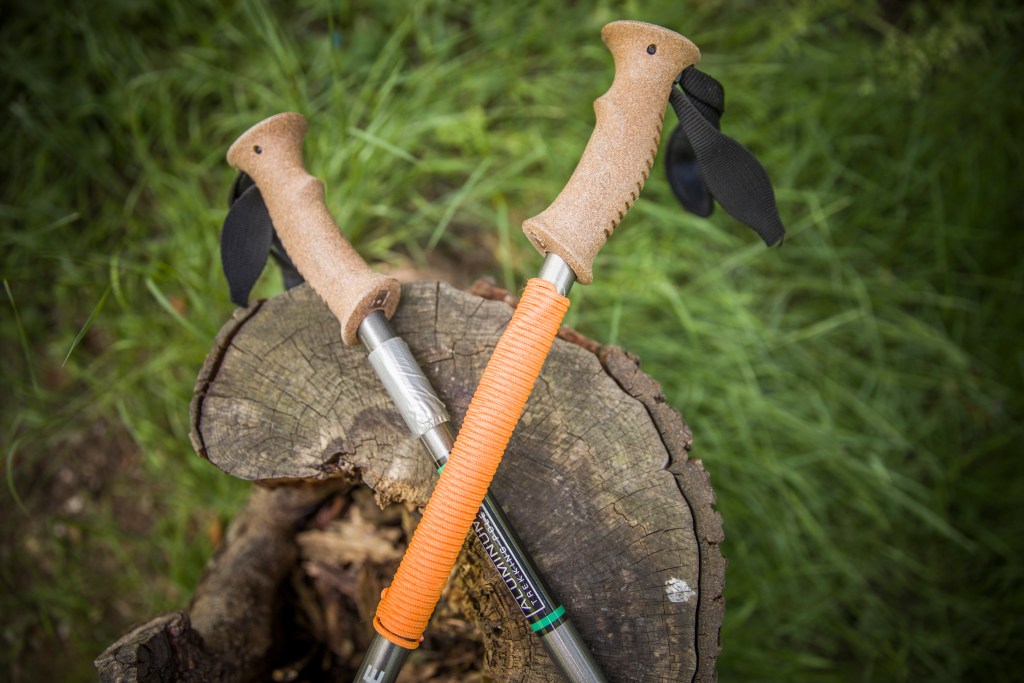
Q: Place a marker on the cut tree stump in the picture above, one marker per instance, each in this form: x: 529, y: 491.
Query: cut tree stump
x: 596, y: 481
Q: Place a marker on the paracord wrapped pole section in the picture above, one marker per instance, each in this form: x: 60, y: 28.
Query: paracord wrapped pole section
x: 505, y: 386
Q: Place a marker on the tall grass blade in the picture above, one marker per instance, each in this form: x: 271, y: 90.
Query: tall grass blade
x: 88, y: 323
x: 22, y: 337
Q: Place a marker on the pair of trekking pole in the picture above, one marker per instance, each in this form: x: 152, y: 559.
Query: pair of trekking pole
x: 612, y: 171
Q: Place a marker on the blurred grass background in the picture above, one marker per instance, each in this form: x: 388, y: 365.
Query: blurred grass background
x: 856, y: 395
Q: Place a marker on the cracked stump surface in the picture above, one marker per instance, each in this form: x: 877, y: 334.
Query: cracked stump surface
x: 596, y: 479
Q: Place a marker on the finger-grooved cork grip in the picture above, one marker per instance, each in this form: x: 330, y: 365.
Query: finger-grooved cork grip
x: 271, y: 154
x: 620, y: 153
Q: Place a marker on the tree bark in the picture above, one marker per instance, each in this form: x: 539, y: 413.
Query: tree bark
x: 232, y: 628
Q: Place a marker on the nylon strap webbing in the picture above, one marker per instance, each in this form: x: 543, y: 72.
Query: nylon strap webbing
x: 725, y: 169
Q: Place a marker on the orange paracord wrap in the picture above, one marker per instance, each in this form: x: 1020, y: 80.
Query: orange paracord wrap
x: 493, y: 413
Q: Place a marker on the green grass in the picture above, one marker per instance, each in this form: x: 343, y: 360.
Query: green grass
x: 855, y: 395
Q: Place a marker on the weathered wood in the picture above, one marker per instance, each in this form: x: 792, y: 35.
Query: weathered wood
x: 596, y: 479
x: 229, y: 632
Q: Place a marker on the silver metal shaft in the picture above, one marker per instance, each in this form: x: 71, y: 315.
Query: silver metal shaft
x: 557, y: 272
x: 571, y: 655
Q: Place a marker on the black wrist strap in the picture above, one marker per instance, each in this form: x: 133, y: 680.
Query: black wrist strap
x: 704, y: 164
x: 247, y: 238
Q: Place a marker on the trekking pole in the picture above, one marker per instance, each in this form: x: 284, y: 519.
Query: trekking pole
x: 271, y: 154
x: 610, y: 175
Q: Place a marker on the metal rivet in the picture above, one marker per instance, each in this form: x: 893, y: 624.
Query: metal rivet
x: 652, y: 48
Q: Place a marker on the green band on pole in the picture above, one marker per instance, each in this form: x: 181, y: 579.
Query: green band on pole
x: 546, y: 621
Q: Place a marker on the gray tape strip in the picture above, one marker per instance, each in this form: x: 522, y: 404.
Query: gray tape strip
x: 408, y: 387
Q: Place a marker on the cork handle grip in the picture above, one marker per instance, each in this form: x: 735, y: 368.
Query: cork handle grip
x: 620, y: 153
x: 271, y: 154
